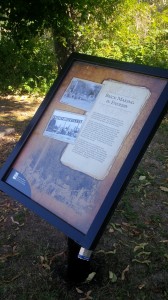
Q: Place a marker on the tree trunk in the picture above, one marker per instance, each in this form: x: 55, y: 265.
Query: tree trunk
x: 63, y: 47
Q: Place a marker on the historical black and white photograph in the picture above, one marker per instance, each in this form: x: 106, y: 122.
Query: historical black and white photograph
x: 81, y: 93
x: 64, y: 126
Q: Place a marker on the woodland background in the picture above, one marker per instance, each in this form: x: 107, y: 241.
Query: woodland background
x: 36, y: 37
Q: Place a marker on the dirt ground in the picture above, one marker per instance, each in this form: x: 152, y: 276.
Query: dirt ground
x: 131, y: 259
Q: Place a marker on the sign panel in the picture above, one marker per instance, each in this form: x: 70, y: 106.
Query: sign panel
x: 79, y: 151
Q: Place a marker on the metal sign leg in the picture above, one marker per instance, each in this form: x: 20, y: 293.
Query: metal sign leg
x: 78, y: 264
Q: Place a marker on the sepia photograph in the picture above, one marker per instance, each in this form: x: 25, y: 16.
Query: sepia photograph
x: 81, y: 93
x: 64, y: 126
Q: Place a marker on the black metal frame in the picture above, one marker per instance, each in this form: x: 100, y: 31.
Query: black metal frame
x: 90, y: 239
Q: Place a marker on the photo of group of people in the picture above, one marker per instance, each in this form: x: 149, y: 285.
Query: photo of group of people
x: 81, y: 93
x: 64, y: 126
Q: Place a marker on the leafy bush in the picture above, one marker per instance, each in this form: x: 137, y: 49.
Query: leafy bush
x: 28, y: 66
x: 133, y: 31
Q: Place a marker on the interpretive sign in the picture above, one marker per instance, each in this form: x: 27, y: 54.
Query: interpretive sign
x: 79, y: 151
x: 107, y: 125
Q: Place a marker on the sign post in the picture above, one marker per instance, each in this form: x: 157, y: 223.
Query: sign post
x: 78, y: 264
x: 81, y: 148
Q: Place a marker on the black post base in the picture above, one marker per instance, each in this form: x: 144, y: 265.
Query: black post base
x: 78, y: 269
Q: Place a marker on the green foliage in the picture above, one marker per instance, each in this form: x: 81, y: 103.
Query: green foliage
x: 128, y: 30
x: 135, y: 32
x: 22, y: 19
x: 28, y: 67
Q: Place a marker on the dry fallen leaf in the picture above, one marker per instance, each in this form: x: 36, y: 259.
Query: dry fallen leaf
x: 112, y: 277
x: 111, y: 252
x: 106, y: 252
x: 164, y: 189
x: 164, y: 241
x: 142, y: 177
x: 79, y: 291
x: 11, y: 280
x: 2, y: 219
x: 56, y: 255
x: 143, y: 253
x: 141, y: 286
x: 125, y: 271
x: 90, y: 276
x: 147, y: 261
x: 15, y: 222
x: 41, y: 258
x: 100, y: 251
x: 87, y: 296
x: 116, y: 227
x: 4, y: 257
x: 140, y: 246
x: 46, y: 266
